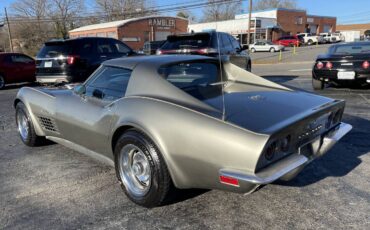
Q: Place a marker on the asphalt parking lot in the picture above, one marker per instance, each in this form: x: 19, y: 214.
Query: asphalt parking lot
x: 52, y: 187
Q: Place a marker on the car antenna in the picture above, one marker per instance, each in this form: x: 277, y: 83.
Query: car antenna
x: 222, y: 77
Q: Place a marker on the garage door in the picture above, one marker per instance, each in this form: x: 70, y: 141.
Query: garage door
x: 159, y: 35
x: 327, y: 28
x: 313, y: 29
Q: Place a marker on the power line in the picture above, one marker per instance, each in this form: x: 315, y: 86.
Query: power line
x: 171, y: 8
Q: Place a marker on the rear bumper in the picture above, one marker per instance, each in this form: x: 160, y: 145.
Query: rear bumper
x: 51, y: 79
x: 331, y: 75
x: 290, y: 166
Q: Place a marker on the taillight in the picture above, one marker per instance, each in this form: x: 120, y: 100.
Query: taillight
x: 229, y: 180
x: 71, y: 59
x: 365, y: 64
x: 207, y: 51
x: 329, y: 65
x: 320, y: 65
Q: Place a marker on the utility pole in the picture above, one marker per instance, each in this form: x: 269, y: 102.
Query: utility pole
x: 10, y: 35
x: 249, y: 22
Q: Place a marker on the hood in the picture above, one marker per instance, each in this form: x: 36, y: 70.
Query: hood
x: 266, y: 111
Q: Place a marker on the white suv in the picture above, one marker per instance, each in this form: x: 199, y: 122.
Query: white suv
x: 310, y: 39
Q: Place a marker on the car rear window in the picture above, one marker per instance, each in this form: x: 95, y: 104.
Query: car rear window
x: 54, y: 49
x: 350, y: 49
x: 187, y: 42
x: 202, y: 80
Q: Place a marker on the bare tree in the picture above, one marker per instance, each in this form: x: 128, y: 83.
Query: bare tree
x: 216, y: 11
x: 269, y: 4
x: 63, y: 12
x: 184, y: 13
x: 123, y: 9
x: 30, y: 28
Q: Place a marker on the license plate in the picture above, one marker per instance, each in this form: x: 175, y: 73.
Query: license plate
x: 347, y: 75
x: 48, y: 64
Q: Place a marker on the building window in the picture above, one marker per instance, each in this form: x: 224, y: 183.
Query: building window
x: 298, y: 20
x: 91, y: 35
x: 256, y: 23
x: 112, y: 35
x: 103, y: 34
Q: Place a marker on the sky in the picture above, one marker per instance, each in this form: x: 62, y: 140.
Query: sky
x: 347, y: 12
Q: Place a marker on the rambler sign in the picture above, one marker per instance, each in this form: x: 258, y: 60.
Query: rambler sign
x: 162, y: 23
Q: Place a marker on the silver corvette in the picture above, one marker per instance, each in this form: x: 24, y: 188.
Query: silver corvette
x: 183, y: 122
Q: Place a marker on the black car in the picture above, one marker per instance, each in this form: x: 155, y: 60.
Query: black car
x: 151, y: 47
x: 210, y: 44
x: 344, y: 63
x: 73, y: 60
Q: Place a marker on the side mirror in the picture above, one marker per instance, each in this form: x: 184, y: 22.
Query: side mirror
x: 245, y: 47
x: 79, y: 89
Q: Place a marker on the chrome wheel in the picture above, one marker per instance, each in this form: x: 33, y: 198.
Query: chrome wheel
x: 23, y: 125
x: 134, y: 169
x: 2, y: 82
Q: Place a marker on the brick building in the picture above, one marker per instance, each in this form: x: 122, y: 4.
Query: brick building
x: 135, y: 31
x: 363, y: 28
x: 272, y: 24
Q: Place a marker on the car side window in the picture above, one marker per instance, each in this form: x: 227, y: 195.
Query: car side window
x: 109, y: 83
x: 21, y: 59
x: 104, y: 47
x: 85, y: 47
x: 120, y: 48
x: 226, y: 44
x: 234, y: 43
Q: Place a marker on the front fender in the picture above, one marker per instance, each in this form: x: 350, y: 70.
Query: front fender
x: 37, y: 103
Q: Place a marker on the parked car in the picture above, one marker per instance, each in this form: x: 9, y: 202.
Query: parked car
x: 311, y: 39
x: 184, y: 121
x: 210, y: 43
x: 330, y: 38
x: 151, y: 47
x: 289, y: 41
x: 265, y: 46
x: 347, y: 62
x: 73, y: 60
x: 15, y: 68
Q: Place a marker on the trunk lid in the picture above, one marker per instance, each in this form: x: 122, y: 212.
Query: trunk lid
x: 267, y: 111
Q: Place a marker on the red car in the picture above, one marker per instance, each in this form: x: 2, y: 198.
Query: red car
x: 288, y: 41
x: 16, y: 67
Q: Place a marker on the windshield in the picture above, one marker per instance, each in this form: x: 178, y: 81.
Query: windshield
x: 269, y: 43
x: 197, y: 41
x: 350, y: 49
x: 199, y: 79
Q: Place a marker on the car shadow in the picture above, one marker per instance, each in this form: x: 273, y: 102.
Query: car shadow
x: 341, y: 159
x: 350, y: 85
x: 180, y: 195
x: 279, y: 78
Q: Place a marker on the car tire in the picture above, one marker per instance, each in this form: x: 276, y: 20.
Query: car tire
x: 26, y: 128
x: 141, y: 169
x: 253, y: 50
x: 317, y: 84
x: 2, y: 82
x: 272, y: 50
x: 249, y: 67
x: 310, y: 42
